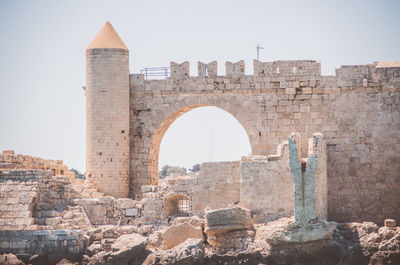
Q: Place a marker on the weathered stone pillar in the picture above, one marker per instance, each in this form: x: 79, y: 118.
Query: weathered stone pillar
x: 309, y: 188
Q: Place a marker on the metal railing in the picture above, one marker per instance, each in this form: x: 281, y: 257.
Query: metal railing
x: 155, y: 72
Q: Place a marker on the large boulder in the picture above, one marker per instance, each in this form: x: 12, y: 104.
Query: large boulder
x: 93, y: 249
x: 176, y: 234
x: 190, y: 252
x: 97, y: 259
x: 227, y: 229
x: 298, y: 234
x: 66, y: 262
x: 226, y: 219
x: 126, y: 249
x: 10, y: 259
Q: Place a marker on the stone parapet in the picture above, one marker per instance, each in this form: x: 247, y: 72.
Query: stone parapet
x: 282, y: 77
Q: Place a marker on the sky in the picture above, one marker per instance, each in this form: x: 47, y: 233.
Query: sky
x: 42, y: 60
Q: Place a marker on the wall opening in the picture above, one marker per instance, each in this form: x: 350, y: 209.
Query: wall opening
x: 197, y: 134
x: 177, y: 205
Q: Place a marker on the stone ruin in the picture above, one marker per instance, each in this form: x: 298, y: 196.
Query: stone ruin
x: 324, y: 168
x: 356, y: 111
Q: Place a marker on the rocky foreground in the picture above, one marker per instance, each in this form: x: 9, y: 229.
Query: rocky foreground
x: 227, y: 236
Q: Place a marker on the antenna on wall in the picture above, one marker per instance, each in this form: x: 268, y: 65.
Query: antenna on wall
x: 211, y: 142
x: 258, y: 51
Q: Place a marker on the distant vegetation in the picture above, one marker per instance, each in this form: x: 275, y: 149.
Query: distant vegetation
x: 78, y: 174
x: 168, y: 170
x: 195, y: 168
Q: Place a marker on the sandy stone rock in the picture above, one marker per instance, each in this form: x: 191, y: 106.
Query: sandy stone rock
x: 97, y: 259
x: 93, y: 249
x: 10, y: 259
x: 155, y: 239
x: 228, y: 219
x: 364, y: 228
x: 392, y: 244
x: 227, y: 229
x: 264, y: 231
x: 193, y: 220
x: 110, y: 232
x: 126, y: 229
x: 126, y: 249
x: 95, y: 234
x: 296, y: 234
x: 66, y: 262
x: 106, y: 243
x: 177, y: 234
x: 190, y: 252
x: 386, y: 233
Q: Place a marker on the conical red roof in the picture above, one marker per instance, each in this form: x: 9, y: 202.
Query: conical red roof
x: 107, y: 38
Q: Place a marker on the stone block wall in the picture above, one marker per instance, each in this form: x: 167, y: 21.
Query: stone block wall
x: 28, y: 243
x: 9, y: 160
x: 267, y: 187
x: 108, y: 210
x: 217, y: 185
x: 357, y: 111
x: 18, y: 190
x: 30, y: 199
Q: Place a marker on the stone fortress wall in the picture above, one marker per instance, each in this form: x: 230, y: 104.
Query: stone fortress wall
x: 356, y: 110
x: 323, y: 147
x: 226, y: 184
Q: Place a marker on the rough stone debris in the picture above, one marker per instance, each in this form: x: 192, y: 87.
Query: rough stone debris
x: 325, y: 158
x: 228, y: 229
x: 189, y: 252
x: 178, y: 233
x: 126, y: 248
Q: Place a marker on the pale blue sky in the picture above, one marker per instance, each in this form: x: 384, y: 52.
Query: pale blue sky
x: 42, y: 55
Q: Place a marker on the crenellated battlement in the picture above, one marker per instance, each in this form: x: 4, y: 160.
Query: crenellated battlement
x: 282, y: 77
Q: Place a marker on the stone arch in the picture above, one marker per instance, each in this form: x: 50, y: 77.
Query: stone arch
x: 149, y: 127
x: 161, y: 130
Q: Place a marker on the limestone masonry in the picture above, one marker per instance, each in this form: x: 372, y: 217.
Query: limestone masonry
x: 356, y: 111
x: 323, y: 175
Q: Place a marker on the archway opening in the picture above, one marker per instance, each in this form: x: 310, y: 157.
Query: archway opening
x: 197, y: 134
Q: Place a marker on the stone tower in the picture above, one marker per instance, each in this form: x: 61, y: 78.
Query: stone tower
x: 107, y: 113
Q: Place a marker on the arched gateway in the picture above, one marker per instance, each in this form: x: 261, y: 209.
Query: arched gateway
x: 165, y: 123
x: 356, y: 111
